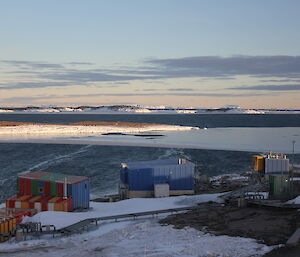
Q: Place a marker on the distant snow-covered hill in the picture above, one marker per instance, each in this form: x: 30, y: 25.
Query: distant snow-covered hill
x: 230, y: 109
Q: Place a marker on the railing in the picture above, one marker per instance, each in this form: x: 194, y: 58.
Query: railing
x: 81, y: 225
x: 36, y: 229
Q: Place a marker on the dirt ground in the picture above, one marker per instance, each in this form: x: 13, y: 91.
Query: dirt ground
x: 271, y: 226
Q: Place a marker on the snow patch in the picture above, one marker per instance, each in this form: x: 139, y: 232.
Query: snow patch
x: 63, y: 219
x: 186, y: 111
x: 86, y: 130
x: 294, y: 201
x: 139, y: 238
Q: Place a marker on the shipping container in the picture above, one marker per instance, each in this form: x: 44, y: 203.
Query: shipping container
x: 33, y: 200
x: 11, y: 202
x: 18, y: 202
x: 42, y: 203
x: 39, y: 203
x: 139, y: 178
x: 51, y: 203
x: 52, y: 184
x: 60, y: 204
x: 17, y: 213
x: 22, y: 202
x: 7, y: 226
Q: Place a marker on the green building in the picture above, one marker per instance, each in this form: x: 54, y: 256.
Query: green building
x: 279, y: 186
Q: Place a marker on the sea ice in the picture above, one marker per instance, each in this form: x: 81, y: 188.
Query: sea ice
x: 236, y: 139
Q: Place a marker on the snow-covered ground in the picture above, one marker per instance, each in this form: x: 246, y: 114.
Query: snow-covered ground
x: 136, y: 238
x: 63, y: 219
x: 57, y: 130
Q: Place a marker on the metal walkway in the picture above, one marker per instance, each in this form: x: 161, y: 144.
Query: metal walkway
x: 84, y: 224
x: 36, y: 229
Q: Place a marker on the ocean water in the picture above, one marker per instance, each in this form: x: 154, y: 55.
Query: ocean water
x: 101, y: 163
x: 201, y: 120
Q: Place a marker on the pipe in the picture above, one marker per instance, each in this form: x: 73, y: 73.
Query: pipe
x: 65, y: 188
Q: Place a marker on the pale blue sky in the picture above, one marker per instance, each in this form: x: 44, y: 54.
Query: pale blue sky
x: 41, y: 38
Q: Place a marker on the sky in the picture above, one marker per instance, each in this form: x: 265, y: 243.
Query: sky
x: 179, y: 53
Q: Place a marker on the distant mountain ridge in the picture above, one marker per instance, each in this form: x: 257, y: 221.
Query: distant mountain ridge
x: 140, y: 109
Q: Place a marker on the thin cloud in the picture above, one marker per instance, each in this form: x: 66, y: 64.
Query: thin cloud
x: 149, y: 89
x: 34, y: 65
x: 280, y: 80
x: 155, y: 70
x: 80, y: 63
x: 28, y: 98
x: 120, y: 83
x: 39, y: 98
x: 180, y: 89
x: 22, y: 85
x: 43, y: 84
x: 216, y: 66
x: 287, y: 87
x: 91, y: 76
x: 169, y: 89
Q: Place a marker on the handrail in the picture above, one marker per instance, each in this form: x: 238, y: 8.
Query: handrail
x: 78, y: 226
x: 85, y: 222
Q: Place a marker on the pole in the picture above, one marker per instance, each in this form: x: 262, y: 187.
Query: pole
x: 293, y: 160
x: 293, y: 142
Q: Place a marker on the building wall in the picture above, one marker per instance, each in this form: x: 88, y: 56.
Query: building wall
x: 80, y: 192
x: 276, y: 166
x: 145, y: 194
x: 279, y: 186
x: 259, y: 163
x: 140, y: 194
x: 179, y: 177
x: 138, y: 179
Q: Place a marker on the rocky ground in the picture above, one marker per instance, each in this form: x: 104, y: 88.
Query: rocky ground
x: 284, y: 252
x: 271, y: 226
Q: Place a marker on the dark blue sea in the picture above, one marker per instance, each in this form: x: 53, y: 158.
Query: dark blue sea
x: 101, y: 163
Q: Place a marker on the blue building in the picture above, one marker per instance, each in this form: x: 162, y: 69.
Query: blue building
x: 140, y: 179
